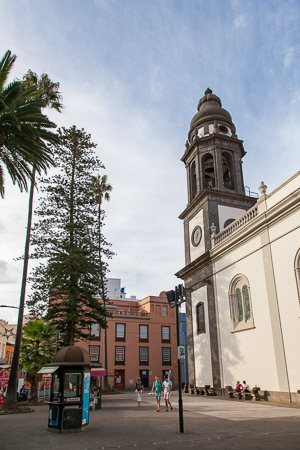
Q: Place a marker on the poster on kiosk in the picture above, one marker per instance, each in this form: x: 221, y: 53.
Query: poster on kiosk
x: 86, y: 399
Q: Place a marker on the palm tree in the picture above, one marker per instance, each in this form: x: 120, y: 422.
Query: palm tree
x: 101, y: 189
x: 47, y: 94
x: 24, y: 129
x: 37, y: 349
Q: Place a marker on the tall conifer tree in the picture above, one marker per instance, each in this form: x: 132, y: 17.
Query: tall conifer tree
x: 66, y: 284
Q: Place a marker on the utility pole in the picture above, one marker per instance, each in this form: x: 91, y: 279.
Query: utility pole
x: 175, y: 298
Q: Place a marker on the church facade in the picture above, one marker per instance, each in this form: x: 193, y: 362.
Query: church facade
x: 242, y: 262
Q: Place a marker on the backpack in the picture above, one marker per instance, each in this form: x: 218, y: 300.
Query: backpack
x: 139, y: 386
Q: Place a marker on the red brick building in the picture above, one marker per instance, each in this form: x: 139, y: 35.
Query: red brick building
x: 141, y: 339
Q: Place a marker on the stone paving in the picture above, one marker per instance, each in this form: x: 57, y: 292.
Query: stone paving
x: 209, y: 423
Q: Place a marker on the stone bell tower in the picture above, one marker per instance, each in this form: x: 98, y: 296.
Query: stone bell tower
x: 216, y: 197
x: 213, y: 161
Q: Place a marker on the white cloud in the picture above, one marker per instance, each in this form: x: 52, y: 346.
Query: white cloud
x: 292, y: 54
x: 240, y: 21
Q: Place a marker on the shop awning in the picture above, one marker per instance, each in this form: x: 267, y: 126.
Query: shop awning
x: 98, y: 372
x: 48, y: 369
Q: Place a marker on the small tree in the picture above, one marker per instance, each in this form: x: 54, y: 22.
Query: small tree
x: 37, y: 349
x: 66, y: 285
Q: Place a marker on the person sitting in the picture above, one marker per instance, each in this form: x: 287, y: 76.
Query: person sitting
x: 246, y: 387
x: 238, y: 387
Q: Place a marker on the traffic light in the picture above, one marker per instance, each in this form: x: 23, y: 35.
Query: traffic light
x: 171, y: 297
x: 181, y: 291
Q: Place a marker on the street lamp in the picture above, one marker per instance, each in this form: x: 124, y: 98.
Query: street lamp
x: 175, y: 298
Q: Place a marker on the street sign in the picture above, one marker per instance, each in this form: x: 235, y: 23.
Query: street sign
x: 181, y: 352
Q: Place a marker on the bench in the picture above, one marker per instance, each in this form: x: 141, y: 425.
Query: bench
x: 205, y: 390
x: 255, y: 392
x: 231, y: 393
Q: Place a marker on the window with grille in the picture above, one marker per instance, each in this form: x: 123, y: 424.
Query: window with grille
x: 120, y: 355
x: 200, y: 315
x: 165, y: 334
x: 95, y: 331
x: 240, y: 304
x: 143, y: 333
x: 120, y: 331
x: 166, y: 356
x: 94, y: 352
x: 144, y: 356
x: 165, y: 311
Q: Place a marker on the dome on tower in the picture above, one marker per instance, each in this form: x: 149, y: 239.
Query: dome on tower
x: 211, y: 114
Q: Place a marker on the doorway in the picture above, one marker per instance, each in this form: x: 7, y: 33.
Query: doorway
x: 144, y: 376
x: 165, y: 373
x: 119, y: 379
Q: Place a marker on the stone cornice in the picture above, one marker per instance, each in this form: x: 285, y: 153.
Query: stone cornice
x: 212, y: 194
x: 216, y: 139
x: 194, y: 266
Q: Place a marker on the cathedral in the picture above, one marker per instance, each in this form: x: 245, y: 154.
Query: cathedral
x: 242, y: 265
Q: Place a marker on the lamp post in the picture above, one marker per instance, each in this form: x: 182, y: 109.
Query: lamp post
x: 175, y: 298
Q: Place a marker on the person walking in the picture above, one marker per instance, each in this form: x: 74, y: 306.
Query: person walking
x: 139, y: 388
x: 167, y: 384
x: 157, y: 387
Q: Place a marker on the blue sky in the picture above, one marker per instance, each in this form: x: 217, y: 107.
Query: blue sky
x: 131, y: 74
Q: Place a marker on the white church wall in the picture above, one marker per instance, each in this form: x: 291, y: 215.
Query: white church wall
x: 283, y: 253
x: 202, y: 353
x: 284, y: 190
x: 247, y: 354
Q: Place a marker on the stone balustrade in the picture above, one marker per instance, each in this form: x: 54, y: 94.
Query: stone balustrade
x: 235, y: 226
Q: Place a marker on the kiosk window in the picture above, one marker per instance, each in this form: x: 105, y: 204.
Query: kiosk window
x: 72, y: 386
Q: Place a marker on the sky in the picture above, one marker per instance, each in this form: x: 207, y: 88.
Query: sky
x: 131, y: 73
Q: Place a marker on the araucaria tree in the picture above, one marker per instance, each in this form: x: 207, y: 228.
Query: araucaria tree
x: 66, y: 283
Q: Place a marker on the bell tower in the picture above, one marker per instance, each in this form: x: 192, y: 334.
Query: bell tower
x: 216, y: 197
x: 213, y: 160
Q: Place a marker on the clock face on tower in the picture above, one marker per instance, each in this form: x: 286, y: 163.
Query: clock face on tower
x: 196, y: 236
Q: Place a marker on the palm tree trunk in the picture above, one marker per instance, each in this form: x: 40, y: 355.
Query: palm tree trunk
x: 11, y: 395
x: 105, y: 379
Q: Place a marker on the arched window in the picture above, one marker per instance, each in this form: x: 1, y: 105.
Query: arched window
x: 240, y: 304
x: 227, y: 171
x: 193, y: 180
x: 209, y: 176
x: 297, y: 272
x: 200, y: 317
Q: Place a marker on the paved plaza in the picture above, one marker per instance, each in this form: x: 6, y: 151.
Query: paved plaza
x: 209, y: 423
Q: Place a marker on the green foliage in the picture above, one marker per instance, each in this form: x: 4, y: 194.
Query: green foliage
x: 66, y: 285
x: 25, y: 132
x: 37, y: 346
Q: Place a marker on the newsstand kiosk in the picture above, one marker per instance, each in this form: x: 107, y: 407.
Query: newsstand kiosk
x: 70, y: 389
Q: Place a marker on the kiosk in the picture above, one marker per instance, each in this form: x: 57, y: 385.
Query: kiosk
x: 70, y: 389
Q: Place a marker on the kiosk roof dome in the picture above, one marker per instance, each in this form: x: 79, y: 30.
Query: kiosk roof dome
x: 72, y: 354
